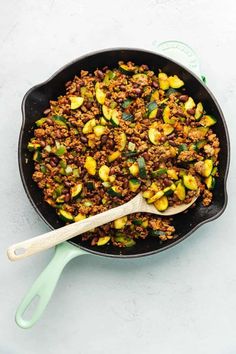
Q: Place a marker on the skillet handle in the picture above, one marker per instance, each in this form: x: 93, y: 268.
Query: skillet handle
x: 43, y: 287
x: 182, y: 53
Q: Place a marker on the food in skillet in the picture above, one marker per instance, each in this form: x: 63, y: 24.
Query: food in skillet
x: 118, y: 132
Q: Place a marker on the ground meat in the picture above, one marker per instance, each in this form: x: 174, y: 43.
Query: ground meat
x: 114, y: 131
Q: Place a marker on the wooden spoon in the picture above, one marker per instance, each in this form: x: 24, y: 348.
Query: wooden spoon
x: 52, y: 238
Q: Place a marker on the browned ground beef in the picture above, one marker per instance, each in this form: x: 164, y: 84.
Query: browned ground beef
x: 118, y: 132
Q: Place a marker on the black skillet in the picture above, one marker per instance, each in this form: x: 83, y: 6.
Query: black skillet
x: 36, y: 101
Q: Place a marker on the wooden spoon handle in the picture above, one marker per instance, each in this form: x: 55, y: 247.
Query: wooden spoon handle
x: 52, y: 238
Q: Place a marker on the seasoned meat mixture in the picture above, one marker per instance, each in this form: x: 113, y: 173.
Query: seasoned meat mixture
x: 115, y: 133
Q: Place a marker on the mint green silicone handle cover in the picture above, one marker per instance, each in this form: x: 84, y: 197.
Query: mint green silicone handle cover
x: 45, y: 284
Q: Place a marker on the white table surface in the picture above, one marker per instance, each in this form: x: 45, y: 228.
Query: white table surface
x: 178, y: 302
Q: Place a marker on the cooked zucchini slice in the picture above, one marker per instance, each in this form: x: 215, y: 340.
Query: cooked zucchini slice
x: 127, y: 103
x: 103, y: 121
x: 33, y: 146
x: 127, y: 116
x: 61, y: 150
x: 104, y: 173
x: 134, y: 169
x: 167, y: 128
x: 125, y: 69
x: 155, y: 197
x: 60, y: 120
x: 154, y: 136
x: 114, y: 192
x: 76, y: 190
x: 214, y: 171
x: 190, y: 182
x: 175, y: 82
x: 122, y: 139
x: 40, y: 122
x: 163, y: 81
x: 142, y: 167
x: 182, y: 147
x: 210, y: 182
x: 90, y: 186
x: 108, y: 77
x: 125, y: 241
x: 137, y: 222
x: 180, y: 191
x: 114, y: 156
x: 99, y: 130
x: 199, y: 111
x: 88, y: 127
x: 60, y: 199
x: 207, y: 121
x: 189, y: 104
x: 100, y: 96
x: 37, y: 157
x: 155, y: 96
x: 162, y: 203
x: 158, y: 172
x: 166, y: 116
x: 148, y: 194
x: 120, y: 223
x: 172, y: 174
x: 170, y: 91
x: 152, y: 109
x: 115, y: 118
x: 134, y: 184
x: 103, y: 240
x: 200, y: 144
x: 90, y: 165
x: 76, y: 102
x: 107, y: 112
x: 156, y: 233
x: 207, y: 168
x: 141, y: 79
x: 66, y: 215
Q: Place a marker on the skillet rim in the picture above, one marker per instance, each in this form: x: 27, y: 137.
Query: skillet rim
x: 64, y: 67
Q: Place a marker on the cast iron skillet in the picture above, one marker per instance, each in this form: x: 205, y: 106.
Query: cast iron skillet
x: 36, y: 101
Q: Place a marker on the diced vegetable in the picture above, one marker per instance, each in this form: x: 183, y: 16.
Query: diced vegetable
x: 76, y: 102
x: 104, y: 173
x: 189, y: 104
x: 155, y: 197
x: 125, y: 241
x: 200, y: 144
x: 142, y: 167
x: 120, y: 223
x: 172, y: 174
x: 90, y: 165
x: 37, y: 156
x: 100, y: 96
x: 155, y: 96
x: 33, y: 146
x: 114, y: 156
x: 199, y: 111
x: 60, y: 199
x: 79, y: 217
x: 90, y: 186
x: 127, y: 116
x: 214, y: 171
x: 156, y: 233
x: 60, y: 120
x: 169, y: 190
x: 127, y: 103
x: 115, y: 118
x: 141, y: 79
x: 210, y: 182
x: 183, y: 147
x: 163, y: 81
x: 103, y: 121
x: 154, y: 136
x: 40, y: 122
x: 114, y: 192
x: 76, y: 190
x: 65, y: 215
x: 68, y: 170
x: 180, y: 191
x: 190, y: 182
x: 152, y: 109
x: 207, y: 168
x: 170, y: 91
x: 107, y: 112
x: 134, y: 169
x: 207, y: 121
x: 134, y: 184
x: 99, y: 130
x: 103, y: 240
x: 148, y: 194
x: 88, y: 127
x: 162, y: 203
x: 137, y: 222
x: 126, y: 69
x: 175, y: 82
x: 61, y: 150
x: 158, y: 172
x: 166, y: 116
x: 109, y: 76
x: 167, y: 128
x: 43, y: 168
x: 121, y: 141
